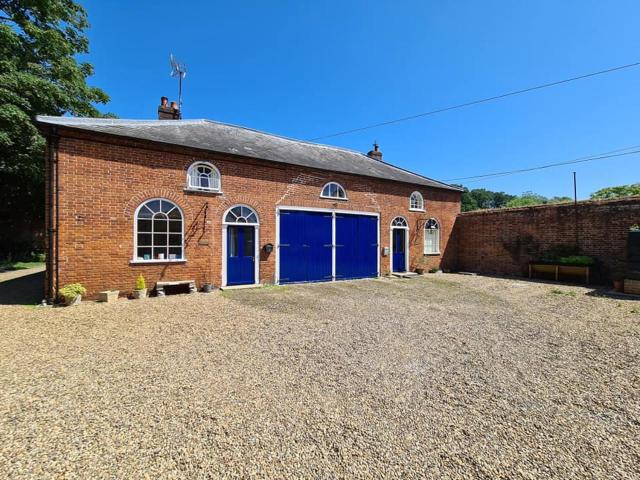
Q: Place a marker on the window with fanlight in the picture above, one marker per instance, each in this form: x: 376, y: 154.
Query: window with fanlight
x: 203, y: 176
x: 416, y: 202
x: 334, y: 191
x: 158, y: 232
x: 431, y: 237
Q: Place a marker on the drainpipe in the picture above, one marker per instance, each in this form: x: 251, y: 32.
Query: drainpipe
x: 52, y: 178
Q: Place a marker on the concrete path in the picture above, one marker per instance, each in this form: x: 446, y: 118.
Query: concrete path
x: 22, y: 287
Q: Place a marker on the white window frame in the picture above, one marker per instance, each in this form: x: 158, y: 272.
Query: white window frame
x: 135, y: 258
x: 256, y: 240
x: 197, y: 188
x: 340, y: 187
x: 437, y: 237
x: 416, y: 209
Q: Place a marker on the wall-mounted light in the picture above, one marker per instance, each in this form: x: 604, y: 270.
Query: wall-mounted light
x: 268, y: 248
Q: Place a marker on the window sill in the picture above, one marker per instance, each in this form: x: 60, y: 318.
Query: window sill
x: 434, y: 254
x: 417, y: 210
x: 202, y: 191
x: 156, y: 262
x: 333, y: 198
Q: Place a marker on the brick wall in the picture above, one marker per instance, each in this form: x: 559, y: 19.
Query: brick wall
x: 504, y: 241
x: 104, y: 179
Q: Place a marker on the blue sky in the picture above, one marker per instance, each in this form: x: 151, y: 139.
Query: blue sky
x: 306, y: 69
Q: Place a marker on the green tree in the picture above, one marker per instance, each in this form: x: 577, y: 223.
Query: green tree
x: 39, y: 74
x: 617, y: 192
x: 527, y: 199
x: 481, y: 198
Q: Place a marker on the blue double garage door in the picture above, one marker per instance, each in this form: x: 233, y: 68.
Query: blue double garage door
x: 320, y: 246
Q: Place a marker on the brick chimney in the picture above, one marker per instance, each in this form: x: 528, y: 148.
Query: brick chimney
x: 376, y: 154
x: 166, y: 111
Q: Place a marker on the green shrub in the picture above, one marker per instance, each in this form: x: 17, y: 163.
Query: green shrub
x: 140, y: 283
x: 71, y: 291
x: 576, y: 260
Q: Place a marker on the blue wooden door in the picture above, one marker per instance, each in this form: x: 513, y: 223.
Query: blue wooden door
x: 399, y: 247
x: 356, y: 246
x: 240, y: 255
x: 305, y: 246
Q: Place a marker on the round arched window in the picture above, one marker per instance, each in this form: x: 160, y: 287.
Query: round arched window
x: 203, y: 176
x: 159, y: 231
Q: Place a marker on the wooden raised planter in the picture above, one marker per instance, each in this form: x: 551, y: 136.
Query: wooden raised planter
x: 560, y: 271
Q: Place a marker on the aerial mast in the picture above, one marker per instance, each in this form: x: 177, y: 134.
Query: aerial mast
x: 178, y: 70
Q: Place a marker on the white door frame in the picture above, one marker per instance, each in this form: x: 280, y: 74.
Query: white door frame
x: 333, y: 212
x: 406, y: 244
x: 256, y: 241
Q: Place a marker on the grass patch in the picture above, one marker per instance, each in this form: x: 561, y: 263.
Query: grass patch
x: 6, y: 266
x: 569, y: 293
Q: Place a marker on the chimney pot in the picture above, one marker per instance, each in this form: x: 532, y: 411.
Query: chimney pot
x: 376, y: 154
x: 166, y: 112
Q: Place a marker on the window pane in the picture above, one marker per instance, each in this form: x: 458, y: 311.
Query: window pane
x: 175, y: 239
x: 159, y: 239
x: 204, y: 181
x: 144, y: 239
x: 325, y: 191
x: 144, y: 212
x: 252, y: 218
x: 144, y: 225
x: 154, y: 205
x: 233, y: 242
x: 144, y: 253
x: 165, y: 206
x: 248, y: 242
x: 175, y: 253
x: 160, y: 225
x: 160, y: 253
x: 175, y: 214
x: 175, y: 226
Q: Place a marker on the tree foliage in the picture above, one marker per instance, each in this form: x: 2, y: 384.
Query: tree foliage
x: 481, y: 198
x: 39, y: 75
x: 617, y: 192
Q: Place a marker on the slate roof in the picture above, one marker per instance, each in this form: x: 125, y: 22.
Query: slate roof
x: 222, y: 137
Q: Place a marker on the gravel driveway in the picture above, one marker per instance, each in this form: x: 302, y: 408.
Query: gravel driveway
x: 444, y: 376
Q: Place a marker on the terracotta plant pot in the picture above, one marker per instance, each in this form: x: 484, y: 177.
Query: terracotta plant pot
x: 138, y: 294
x: 420, y: 271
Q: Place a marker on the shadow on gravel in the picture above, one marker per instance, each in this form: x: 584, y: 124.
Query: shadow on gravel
x: 609, y: 293
x: 25, y: 290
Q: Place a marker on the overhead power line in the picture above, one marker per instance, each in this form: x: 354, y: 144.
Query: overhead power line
x: 474, y: 102
x: 599, y: 156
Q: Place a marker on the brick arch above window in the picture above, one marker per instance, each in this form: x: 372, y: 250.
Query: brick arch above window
x: 140, y: 197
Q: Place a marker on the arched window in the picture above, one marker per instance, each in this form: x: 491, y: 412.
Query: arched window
x: 334, y: 190
x: 241, y: 214
x: 431, y: 237
x: 416, y: 202
x: 399, y: 222
x: 203, y: 176
x: 159, y: 231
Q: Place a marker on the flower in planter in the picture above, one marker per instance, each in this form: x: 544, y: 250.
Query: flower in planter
x: 70, y: 293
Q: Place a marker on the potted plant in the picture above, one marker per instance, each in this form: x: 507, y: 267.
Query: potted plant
x: 72, y: 294
x: 141, y: 288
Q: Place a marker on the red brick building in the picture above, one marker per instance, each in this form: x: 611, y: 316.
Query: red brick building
x: 221, y: 204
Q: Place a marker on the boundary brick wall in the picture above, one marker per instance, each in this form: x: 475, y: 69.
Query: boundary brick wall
x: 504, y: 241
x: 103, y: 179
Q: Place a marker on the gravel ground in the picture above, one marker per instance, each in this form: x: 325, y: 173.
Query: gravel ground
x: 444, y: 376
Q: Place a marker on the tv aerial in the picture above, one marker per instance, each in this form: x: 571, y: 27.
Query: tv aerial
x: 178, y: 70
